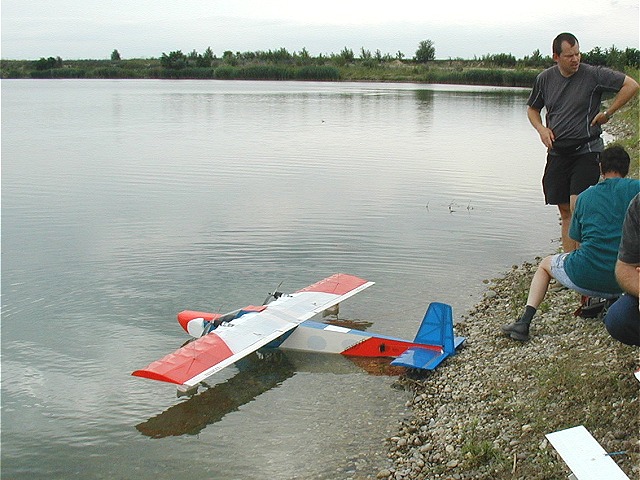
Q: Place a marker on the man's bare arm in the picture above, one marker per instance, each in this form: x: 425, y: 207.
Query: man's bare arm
x: 627, y: 92
x: 546, y: 135
x: 628, y: 277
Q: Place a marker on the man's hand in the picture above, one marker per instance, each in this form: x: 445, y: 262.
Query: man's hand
x: 629, y: 89
x: 600, y: 119
x: 547, y: 137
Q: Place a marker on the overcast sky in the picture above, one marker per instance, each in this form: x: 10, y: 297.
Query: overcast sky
x: 75, y: 29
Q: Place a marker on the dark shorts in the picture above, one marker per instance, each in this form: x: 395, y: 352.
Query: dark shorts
x: 569, y: 175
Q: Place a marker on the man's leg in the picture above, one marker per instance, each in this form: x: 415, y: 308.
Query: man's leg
x: 585, y: 171
x: 568, y: 245
x: 538, y: 289
x: 540, y: 283
x: 556, y: 185
x: 623, y: 320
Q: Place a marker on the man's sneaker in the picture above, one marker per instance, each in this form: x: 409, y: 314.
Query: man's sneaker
x: 607, y: 305
x: 608, y: 302
x: 518, y: 331
x: 592, y: 307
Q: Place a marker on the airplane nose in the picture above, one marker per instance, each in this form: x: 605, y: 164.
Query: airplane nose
x: 193, y: 322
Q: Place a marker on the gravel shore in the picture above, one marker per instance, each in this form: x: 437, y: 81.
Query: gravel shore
x: 484, y: 413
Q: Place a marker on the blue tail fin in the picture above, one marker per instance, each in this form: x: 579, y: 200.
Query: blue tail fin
x: 437, y: 327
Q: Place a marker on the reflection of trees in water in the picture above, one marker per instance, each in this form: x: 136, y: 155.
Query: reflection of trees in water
x: 259, y: 372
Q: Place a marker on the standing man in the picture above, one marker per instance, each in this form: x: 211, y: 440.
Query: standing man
x: 571, y: 93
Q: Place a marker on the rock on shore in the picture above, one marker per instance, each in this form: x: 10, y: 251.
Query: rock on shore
x: 484, y: 413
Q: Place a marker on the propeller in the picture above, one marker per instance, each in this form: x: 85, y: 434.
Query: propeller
x: 275, y: 295
x: 227, y: 317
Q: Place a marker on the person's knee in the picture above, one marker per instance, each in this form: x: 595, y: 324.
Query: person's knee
x: 545, y: 264
x: 565, y: 211
x: 622, y: 321
x: 612, y: 324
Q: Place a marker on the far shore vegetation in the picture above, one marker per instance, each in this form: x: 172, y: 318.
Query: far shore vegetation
x: 502, y: 69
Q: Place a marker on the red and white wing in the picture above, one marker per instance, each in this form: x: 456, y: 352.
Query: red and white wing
x: 252, y: 330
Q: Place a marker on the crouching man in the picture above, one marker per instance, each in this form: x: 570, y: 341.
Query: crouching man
x: 623, y: 318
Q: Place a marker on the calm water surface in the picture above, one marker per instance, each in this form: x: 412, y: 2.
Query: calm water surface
x: 124, y: 202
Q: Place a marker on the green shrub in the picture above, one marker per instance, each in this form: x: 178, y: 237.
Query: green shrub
x: 315, y: 72
x: 201, y: 73
x: 59, y: 73
x: 106, y: 72
x: 225, y: 72
x: 265, y: 72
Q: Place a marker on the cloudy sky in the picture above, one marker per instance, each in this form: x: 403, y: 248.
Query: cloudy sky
x: 74, y: 29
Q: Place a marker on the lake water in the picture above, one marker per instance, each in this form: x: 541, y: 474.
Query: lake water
x: 124, y: 202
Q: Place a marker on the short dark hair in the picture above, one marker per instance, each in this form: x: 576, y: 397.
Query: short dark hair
x: 615, y: 159
x: 563, y: 37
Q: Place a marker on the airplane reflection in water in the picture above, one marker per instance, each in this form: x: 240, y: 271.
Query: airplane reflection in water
x: 257, y: 373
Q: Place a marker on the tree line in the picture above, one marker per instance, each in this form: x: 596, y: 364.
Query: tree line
x: 612, y: 57
x: 280, y: 64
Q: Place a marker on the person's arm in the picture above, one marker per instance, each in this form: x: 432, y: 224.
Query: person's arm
x: 628, y: 277
x: 627, y: 92
x: 546, y: 135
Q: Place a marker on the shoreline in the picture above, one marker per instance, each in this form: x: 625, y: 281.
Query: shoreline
x: 485, y: 412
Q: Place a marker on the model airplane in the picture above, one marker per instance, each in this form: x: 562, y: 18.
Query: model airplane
x: 285, y: 323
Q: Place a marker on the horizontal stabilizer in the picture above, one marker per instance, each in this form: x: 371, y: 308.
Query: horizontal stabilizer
x: 418, y: 357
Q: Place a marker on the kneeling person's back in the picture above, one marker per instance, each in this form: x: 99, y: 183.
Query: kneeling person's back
x: 597, y: 224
